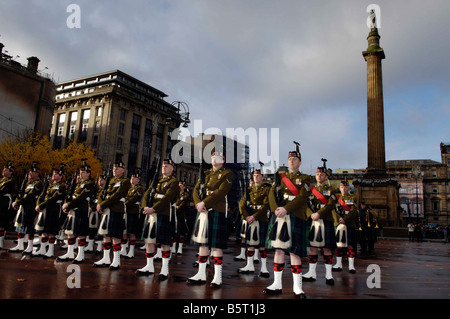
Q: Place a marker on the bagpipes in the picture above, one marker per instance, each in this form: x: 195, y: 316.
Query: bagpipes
x: 316, y: 235
x: 69, y: 223
x: 18, y: 220
x: 40, y: 219
x: 103, y: 227
x: 200, y: 234
x: 150, y: 221
x: 280, y: 231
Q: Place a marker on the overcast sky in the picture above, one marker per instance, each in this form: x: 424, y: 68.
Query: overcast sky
x: 290, y: 65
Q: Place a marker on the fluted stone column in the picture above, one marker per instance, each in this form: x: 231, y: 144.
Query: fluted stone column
x: 376, y: 158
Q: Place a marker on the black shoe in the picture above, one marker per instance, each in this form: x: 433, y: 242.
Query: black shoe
x: 114, y: 267
x: 300, y: 296
x: 77, y: 261
x: 264, y: 275
x: 268, y: 291
x: 64, y: 259
x: 352, y: 271
x: 214, y: 285
x: 162, y: 277
x: 196, y: 282
x: 100, y: 265
x: 336, y: 269
x: 143, y: 273
x: 238, y: 259
x: 308, y: 279
x: 245, y: 272
x: 329, y: 282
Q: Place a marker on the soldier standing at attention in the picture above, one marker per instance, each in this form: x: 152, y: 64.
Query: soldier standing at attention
x: 346, y: 214
x: 167, y: 191
x: 290, y: 210
x: 322, y: 234
x: 181, y: 205
x: 113, y: 206
x: 7, y: 189
x: 76, y: 207
x: 212, y: 211
x: 26, y: 204
x: 52, y: 202
x: 133, y: 205
x: 256, y: 212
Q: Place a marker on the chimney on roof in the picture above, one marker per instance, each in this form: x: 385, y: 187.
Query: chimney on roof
x: 33, y: 63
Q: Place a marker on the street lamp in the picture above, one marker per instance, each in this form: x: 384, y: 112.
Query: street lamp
x: 184, y: 116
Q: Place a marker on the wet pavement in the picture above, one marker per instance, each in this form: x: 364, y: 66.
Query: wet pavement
x: 407, y: 270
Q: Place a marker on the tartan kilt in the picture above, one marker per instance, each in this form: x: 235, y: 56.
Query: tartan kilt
x: 52, y: 222
x: 263, y: 227
x: 81, y: 224
x: 29, y: 216
x: 132, y: 223
x: 298, y: 235
x: 217, y: 230
x: 330, y: 233
x: 116, y: 224
x: 352, y: 237
x: 164, y: 230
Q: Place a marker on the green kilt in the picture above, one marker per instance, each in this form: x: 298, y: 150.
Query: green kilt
x: 217, y: 230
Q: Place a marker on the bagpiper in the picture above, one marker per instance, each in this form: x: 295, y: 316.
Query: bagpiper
x: 288, y: 201
x: 112, y: 209
x: 76, y: 206
x: 25, y: 203
x: 321, y: 225
x: 49, y: 208
x: 210, y: 231
x: 7, y: 191
x: 346, y: 214
x: 132, y: 205
x: 254, y: 207
x: 157, y: 206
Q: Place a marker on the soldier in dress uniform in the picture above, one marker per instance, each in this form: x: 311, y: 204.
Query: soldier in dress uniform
x: 368, y: 229
x: 133, y: 205
x: 167, y: 191
x: 181, y: 205
x: 321, y: 222
x: 26, y: 204
x: 288, y: 202
x: 255, y: 210
x: 346, y: 213
x: 7, y: 191
x: 51, y: 201
x: 112, y: 209
x: 76, y: 206
x: 212, y: 214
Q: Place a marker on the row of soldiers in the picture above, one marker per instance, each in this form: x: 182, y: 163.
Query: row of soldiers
x: 287, y: 216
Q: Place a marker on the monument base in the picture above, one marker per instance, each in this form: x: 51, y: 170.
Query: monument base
x: 382, y: 195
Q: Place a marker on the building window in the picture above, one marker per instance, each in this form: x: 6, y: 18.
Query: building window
x: 99, y: 111
x: 119, y: 143
x: 435, y: 205
x: 95, y: 141
x: 434, y: 173
x: 97, y: 126
x: 121, y: 128
x: 123, y: 114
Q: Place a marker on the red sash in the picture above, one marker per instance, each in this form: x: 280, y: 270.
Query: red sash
x: 319, y: 195
x: 343, y: 204
x: 289, y: 184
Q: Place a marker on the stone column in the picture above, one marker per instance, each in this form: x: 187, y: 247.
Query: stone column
x: 376, y: 159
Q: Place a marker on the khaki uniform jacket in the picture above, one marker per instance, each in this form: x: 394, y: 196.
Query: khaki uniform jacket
x: 218, y: 184
x: 349, y: 217
x: 81, y: 195
x: 181, y: 203
x: 54, y: 196
x: 258, y: 197
x: 32, y: 191
x: 167, y: 191
x: 325, y: 211
x: 133, y: 199
x: 115, y: 195
x: 7, y: 190
x: 297, y: 205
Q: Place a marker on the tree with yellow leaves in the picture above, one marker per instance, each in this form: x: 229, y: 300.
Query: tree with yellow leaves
x: 35, y: 147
